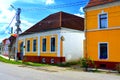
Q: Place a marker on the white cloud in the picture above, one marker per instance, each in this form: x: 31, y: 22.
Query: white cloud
x: 25, y: 25
x: 6, y: 4
x: 33, y: 1
x: 48, y: 2
x: 6, y: 16
x: 7, y: 13
x: 80, y: 15
x: 81, y: 10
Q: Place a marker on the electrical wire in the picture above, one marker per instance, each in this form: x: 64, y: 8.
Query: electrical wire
x: 51, y: 7
x: 3, y: 32
x: 11, y: 21
x: 81, y: 3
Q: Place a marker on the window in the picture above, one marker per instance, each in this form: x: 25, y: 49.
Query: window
x: 103, y: 21
x: 52, y: 44
x: 103, y: 51
x: 28, y: 45
x: 34, y: 45
x: 44, y: 45
x: 21, y: 47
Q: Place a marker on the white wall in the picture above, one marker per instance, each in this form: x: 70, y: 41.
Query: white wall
x: 73, y: 44
x: 51, y: 32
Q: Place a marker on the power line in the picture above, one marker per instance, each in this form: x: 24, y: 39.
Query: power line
x: 83, y: 2
x: 60, y: 6
x: 3, y: 32
x: 51, y: 7
x: 11, y: 21
x: 56, y: 6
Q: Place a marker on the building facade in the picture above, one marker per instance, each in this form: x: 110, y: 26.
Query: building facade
x: 102, y: 22
x: 5, y: 47
x: 57, y: 38
x: 1, y: 48
x: 8, y: 46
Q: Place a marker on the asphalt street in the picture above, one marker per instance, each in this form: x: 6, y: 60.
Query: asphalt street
x: 16, y: 72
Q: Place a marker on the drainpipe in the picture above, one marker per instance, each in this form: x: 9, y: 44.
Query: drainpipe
x: 85, y: 31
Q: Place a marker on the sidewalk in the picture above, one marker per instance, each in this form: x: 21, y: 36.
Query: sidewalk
x: 6, y: 57
x: 59, y: 69
x: 46, y: 68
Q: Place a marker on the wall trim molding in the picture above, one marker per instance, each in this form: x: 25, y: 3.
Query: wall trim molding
x: 93, y: 30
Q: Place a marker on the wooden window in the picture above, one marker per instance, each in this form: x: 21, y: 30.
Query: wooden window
x: 53, y: 44
x: 103, y: 21
x: 103, y: 51
x: 28, y: 46
x: 44, y: 45
x: 34, y: 45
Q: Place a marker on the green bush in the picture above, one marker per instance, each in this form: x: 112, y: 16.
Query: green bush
x: 118, y: 67
x: 86, y: 62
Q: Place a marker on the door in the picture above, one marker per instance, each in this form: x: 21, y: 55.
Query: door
x: 21, y: 51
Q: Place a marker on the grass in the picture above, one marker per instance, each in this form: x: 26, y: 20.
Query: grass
x: 9, y: 61
x: 20, y: 62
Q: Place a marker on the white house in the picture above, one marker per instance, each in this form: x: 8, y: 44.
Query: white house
x: 55, y: 39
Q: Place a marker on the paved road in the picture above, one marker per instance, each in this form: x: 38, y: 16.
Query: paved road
x: 14, y: 72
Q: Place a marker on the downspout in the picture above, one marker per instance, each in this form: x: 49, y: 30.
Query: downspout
x: 85, y: 31
x: 61, y: 41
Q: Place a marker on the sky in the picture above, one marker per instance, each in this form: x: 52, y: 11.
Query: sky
x: 33, y: 11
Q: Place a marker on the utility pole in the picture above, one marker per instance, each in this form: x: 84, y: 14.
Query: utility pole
x: 10, y: 47
x: 17, y: 24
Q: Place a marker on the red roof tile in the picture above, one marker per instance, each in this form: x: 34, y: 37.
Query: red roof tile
x: 56, y: 21
x: 98, y: 2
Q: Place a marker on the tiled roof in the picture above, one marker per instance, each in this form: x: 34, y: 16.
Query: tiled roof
x: 99, y: 2
x: 56, y: 21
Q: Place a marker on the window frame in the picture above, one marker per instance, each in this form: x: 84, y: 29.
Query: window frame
x: 34, y: 46
x: 27, y: 46
x: 99, y: 20
x: 42, y: 45
x: 100, y: 53
x: 51, y: 45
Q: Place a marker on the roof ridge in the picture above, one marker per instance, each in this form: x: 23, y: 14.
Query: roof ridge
x: 56, y: 21
x: 92, y: 3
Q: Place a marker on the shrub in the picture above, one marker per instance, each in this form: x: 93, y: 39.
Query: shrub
x: 118, y: 67
x: 86, y: 62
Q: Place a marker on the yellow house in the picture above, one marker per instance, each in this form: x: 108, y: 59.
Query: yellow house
x: 102, y: 26
x: 55, y: 39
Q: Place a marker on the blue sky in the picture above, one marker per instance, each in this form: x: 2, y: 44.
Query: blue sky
x: 33, y: 11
